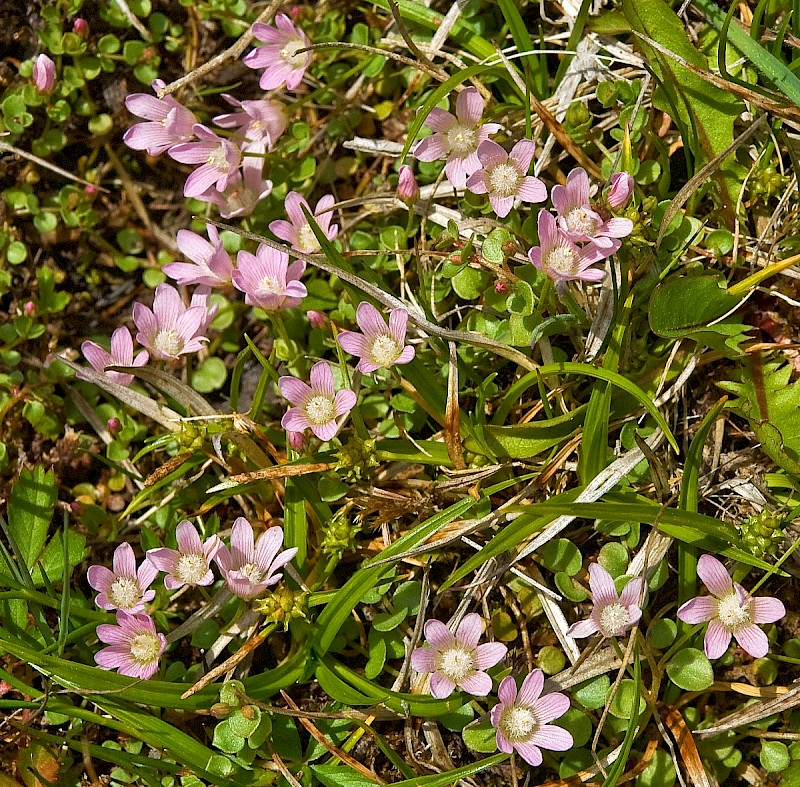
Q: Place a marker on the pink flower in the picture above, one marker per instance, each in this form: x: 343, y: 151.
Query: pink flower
x: 245, y: 189
x: 135, y: 646
x: 44, y: 74
x: 407, y: 188
x: 620, y: 191
x: 730, y: 612
x: 316, y: 407
x: 379, y: 346
x: 211, y: 264
x: 248, y: 568
x: 267, y: 279
x: 503, y: 176
x: 168, y: 122
x: 259, y: 121
x: 560, y: 258
x: 189, y: 563
x: 125, y: 587
x: 457, y: 137
x: 579, y: 222
x: 522, y: 719
x: 457, y: 661
x: 280, y: 56
x: 80, y: 27
x: 170, y: 329
x: 218, y: 158
x: 297, y: 231
x: 612, y: 614
x: 121, y: 355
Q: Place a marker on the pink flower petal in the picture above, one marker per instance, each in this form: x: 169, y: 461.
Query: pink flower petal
x: 489, y: 654
x: 553, y: 737
x: 698, y: 610
x: 531, y: 688
x: 502, y: 742
x: 345, y: 401
x: 431, y: 148
x: 532, y: 190
x: 602, y: 586
x: 353, y: 343
x: 767, y: 609
x: 714, y: 576
x: 521, y: 156
x: 618, y: 228
x: 188, y: 538
x: 469, y: 106
x: 423, y: 660
x: 370, y: 320
x: 716, y: 640
x: 163, y: 559
x: 753, y: 640
x: 507, y: 692
x: 242, y: 546
x: 491, y: 154
x: 295, y: 420
x: 325, y: 432
x: 476, y: 182
x: 441, y: 686
x: 632, y: 593
x: 124, y: 561
x: 479, y: 684
x: 440, y: 120
x: 583, y: 628
x: 501, y: 205
x: 529, y: 752
x: 469, y: 631
x: 267, y: 547
x: 438, y: 635
x: 296, y: 391
x: 551, y: 706
x: 322, y: 379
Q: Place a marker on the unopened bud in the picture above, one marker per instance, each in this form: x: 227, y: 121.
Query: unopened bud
x: 295, y: 440
x: 114, y: 426
x: 44, y: 74
x: 89, y: 190
x: 317, y: 319
x: 500, y: 286
x: 80, y: 27
x: 620, y: 191
x: 407, y: 188
x: 220, y: 710
x: 29, y: 309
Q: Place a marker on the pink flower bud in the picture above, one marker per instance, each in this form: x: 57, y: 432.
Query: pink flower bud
x: 407, y: 188
x: 29, y: 309
x: 44, y: 73
x: 621, y: 189
x: 80, y: 27
x: 113, y: 425
x: 295, y: 440
x: 90, y: 190
x: 500, y: 286
x: 317, y: 319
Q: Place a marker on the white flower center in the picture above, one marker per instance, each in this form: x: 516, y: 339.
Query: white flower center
x: 306, y: 239
x: 167, y: 342
x: 613, y: 619
x: 456, y: 663
x: 270, y: 286
x: 320, y: 410
x: 252, y: 573
x: 145, y: 648
x: 124, y: 593
x: 289, y: 51
x: 191, y: 569
x: 732, y: 615
x: 384, y: 350
x: 504, y: 180
x: 462, y: 140
x: 518, y: 723
x: 218, y: 160
x: 580, y: 221
x: 563, y: 260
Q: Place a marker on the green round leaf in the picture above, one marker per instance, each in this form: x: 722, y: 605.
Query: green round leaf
x: 562, y: 555
x: 226, y: 739
x: 663, y: 633
x: 16, y: 252
x: 577, y: 723
x: 592, y: 693
x: 244, y: 721
x: 613, y: 557
x: 659, y: 772
x: 622, y: 703
x: 210, y: 375
x: 774, y: 756
x: 480, y: 737
x: 550, y: 660
x: 690, y: 670
x: 458, y: 719
x: 469, y: 283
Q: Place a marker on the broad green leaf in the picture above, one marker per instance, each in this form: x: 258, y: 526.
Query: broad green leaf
x: 771, y: 404
x: 690, y: 670
x: 705, y: 113
x: 30, y: 511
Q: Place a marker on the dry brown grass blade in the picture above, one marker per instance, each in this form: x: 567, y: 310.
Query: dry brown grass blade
x: 164, y: 470
x: 271, y: 473
x: 452, y: 432
x: 338, y: 753
x: 753, y: 713
x: 229, y: 663
x: 584, y: 776
x: 695, y: 770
